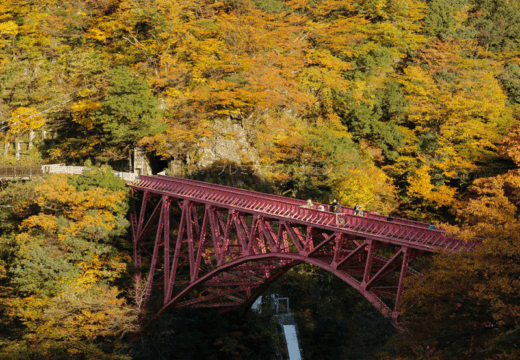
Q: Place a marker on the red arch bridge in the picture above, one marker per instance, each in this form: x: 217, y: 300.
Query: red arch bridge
x: 217, y: 246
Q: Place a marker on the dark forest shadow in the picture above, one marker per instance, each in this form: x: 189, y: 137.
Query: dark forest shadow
x: 249, y: 177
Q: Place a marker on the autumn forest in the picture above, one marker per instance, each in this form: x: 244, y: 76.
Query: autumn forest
x: 410, y: 108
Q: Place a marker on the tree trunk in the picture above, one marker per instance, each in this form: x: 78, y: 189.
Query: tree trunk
x: 31, y: 137
x: 17, y: 145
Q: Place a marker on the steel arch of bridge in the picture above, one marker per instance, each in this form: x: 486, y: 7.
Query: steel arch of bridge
x: 227, y: 245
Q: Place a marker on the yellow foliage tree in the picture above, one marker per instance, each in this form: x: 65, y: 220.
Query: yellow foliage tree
x: 68, y: 253
x: 24, y: 119
x: 459, y: 113
x: 422, y: 188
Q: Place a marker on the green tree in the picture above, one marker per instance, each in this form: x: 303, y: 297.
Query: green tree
x: 129, y: 112
x: 497, y: 23
x: 94, y: 177
x: 378, y: 119
x: 446, y: 19
x: 510, y: 80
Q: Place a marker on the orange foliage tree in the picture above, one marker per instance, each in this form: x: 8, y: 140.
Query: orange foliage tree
x: 466, y: 305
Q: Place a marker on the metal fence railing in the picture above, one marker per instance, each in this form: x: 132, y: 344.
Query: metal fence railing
x: 20, y: 171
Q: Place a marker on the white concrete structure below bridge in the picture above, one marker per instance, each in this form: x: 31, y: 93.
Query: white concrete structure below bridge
x: 10, y: 172
x: 78, y: 170
x: 286, y: 320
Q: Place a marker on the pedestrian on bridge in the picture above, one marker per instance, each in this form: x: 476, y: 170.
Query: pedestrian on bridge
x: 309, y: 204
x: 335, y: 207
x: 358, y: 210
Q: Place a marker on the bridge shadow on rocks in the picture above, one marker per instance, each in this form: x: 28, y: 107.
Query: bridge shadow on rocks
x: 233, y: 175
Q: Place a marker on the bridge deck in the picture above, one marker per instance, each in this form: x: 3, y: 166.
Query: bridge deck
x: 374, y: 226
x: 345, y: 209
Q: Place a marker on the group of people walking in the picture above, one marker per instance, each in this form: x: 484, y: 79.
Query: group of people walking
x: 335, y: 207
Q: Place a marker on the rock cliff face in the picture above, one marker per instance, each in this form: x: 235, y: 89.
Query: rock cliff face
x: 233, y: 141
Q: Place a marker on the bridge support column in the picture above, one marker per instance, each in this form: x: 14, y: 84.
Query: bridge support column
x: 372, y: 247
x: 155, y: 254
x: 166, y: 225
x: 404, y: 269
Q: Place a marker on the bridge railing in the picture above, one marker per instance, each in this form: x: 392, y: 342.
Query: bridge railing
x: 372, y: 215
x: 436, y: 238
x: 270, y: 205
x: 237, y: 190
x: 344, y: 209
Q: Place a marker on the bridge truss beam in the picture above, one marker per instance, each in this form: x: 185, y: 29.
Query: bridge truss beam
x: 219, y: 256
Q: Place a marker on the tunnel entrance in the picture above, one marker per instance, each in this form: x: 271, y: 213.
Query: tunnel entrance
x: 157, y: 164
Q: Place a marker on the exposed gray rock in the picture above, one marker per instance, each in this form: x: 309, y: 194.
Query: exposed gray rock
x: 233, y: 141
